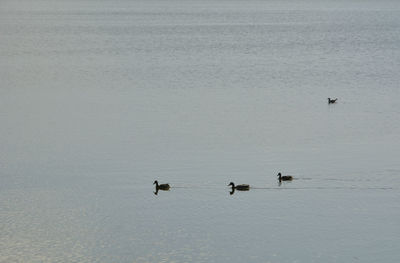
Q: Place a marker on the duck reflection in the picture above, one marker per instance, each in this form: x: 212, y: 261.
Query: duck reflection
x: 156, y: 191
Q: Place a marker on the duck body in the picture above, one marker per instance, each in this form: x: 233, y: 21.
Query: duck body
x: 161, y: 186
x: 285, y: 177
x: 331, y: 101
x: 240, y: 187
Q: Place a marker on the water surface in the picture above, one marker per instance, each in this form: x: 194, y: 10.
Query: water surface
x: 100, y: 98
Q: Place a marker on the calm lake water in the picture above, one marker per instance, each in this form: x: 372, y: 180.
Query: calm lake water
x: 100, y: 98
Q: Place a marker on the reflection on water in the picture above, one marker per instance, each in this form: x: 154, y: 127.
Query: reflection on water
x: 280, y: 182
x: 158, y: 189
x: 233, y: 191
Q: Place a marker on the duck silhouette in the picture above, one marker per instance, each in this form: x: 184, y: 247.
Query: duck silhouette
x: 240, y: 187
x: 164, y: 187
x: 284, y: 178
x: 331, y: 101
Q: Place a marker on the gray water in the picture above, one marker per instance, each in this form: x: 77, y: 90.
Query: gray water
x: 100, y: 98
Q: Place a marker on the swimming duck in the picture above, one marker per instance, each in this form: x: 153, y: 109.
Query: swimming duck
x: 161, y: 186
x: 285, y: 177
x: 240, y: 187
x: 330, y: 101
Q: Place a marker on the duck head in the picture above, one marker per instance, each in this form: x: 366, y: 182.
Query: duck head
x: 155, y: 182
x: 231, y: 184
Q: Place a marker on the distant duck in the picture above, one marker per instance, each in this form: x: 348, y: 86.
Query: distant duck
x: 285, y: 177
x: 161, y: 186
x: 240, y: 187
x: 331, y: 101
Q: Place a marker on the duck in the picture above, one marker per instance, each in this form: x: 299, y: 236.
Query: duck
x: 330, y: 101
x: 240, y: 187
x: 285, y: 177
x: 161, y: 186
